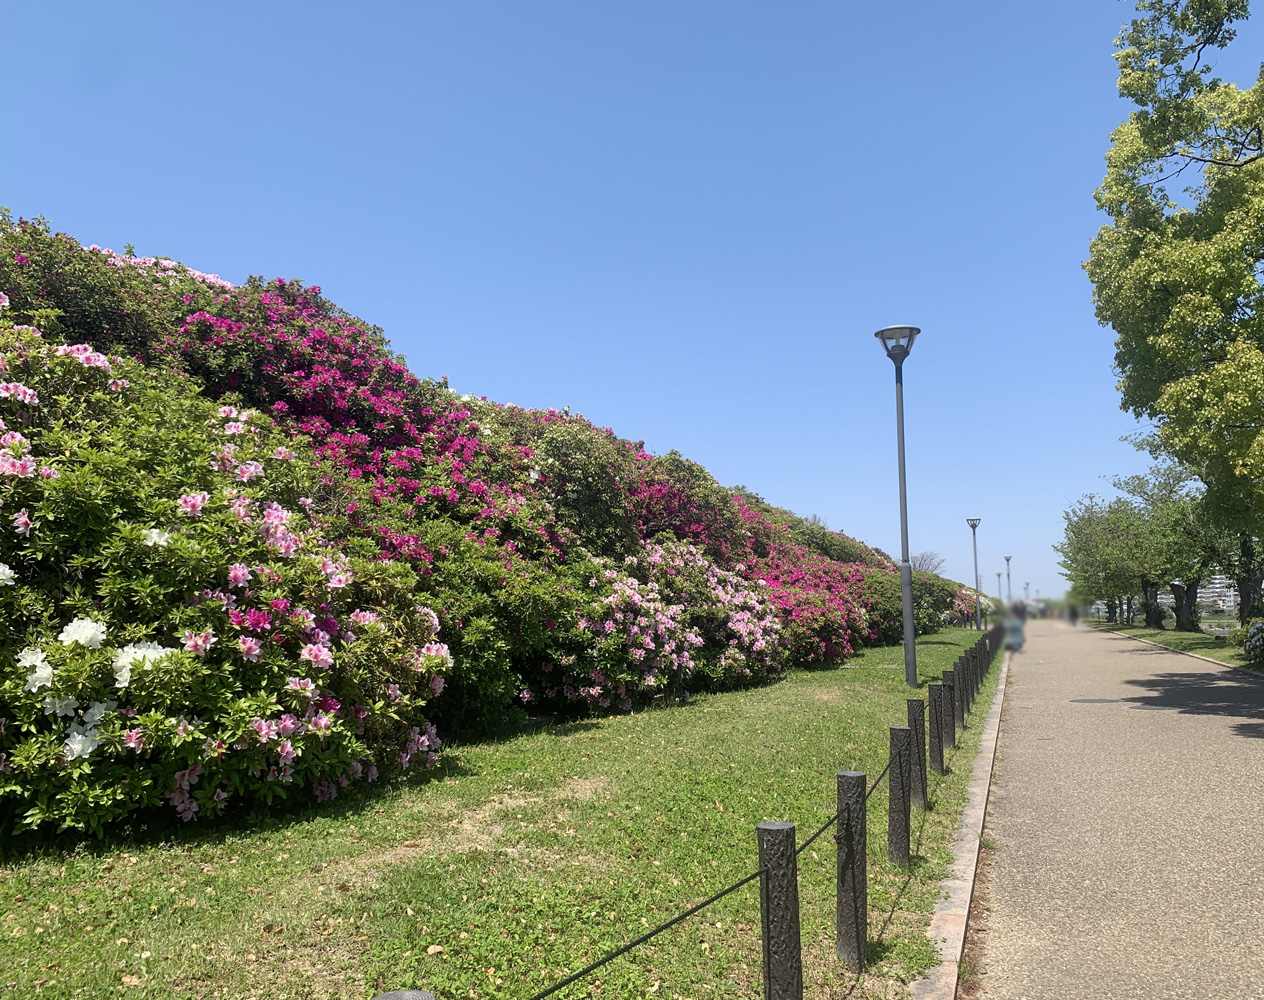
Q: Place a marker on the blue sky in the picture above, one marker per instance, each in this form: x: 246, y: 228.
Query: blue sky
x: 683, y: 219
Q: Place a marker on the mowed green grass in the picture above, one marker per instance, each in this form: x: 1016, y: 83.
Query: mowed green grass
x: 516, y: 863
x: 1190, y: 642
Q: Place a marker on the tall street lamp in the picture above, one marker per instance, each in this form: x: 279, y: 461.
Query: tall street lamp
x: 1009, y: 587
x: 897, y: 341
x: 1027, y: 592
x: 1000, y: 594
x: 974, y: 533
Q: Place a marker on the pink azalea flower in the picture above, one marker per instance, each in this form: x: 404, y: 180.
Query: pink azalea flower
x: 301, y: 685
x: 393, y: 692
x: 234, y: 427
x: 238, y: 575
x: 264, y: 729
x: 134, y: 739
x: 284, y: 455
x: 319, y: 655
x: 288, y: 725
x: 251, y: 648
x: 119, y: 384
x: 191, y: 504
x: 321, y: 723
x: 227, y: 412
x: 48, y: 472
x: 248, y: 471
x: 285, y: 750
x: 22, y: 523
x: 436, y: 685
x: 198, y: 643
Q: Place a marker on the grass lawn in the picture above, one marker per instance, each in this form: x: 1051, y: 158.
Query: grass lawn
x: 517, y: 862
x: 1190, y: 642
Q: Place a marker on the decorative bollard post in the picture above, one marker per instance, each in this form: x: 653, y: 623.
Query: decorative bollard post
x: 959, y: 699
x: 917, y: 729
x: 950, y: 714
x: 779, y: 912
x: 852, y: 919
x: 898, y: 781
x: 936, y: 727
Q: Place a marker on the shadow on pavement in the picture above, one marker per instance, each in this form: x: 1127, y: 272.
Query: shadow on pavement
x: 1231, y: 695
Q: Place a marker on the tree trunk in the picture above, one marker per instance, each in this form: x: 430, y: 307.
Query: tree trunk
x: 1112, y: 612
x: 1150, y: 599
x: 1249, y: 579
x: 1186, y: 607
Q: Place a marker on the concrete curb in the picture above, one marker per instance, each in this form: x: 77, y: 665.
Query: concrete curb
x: 1185, y: 652
x: 948, y: 923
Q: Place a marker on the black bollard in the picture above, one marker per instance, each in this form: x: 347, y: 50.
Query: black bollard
x: 779, y: 912
x: 950, y: 714
x: 898, y: 782
x: 917, y: 730
x: 852, y: 919
x: 936, y: 728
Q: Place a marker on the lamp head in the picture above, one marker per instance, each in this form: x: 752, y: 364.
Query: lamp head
x: 973, y: 522
x: 897, y: 341
x: 1008, y: 558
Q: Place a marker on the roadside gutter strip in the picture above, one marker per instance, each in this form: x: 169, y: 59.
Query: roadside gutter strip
x: 948, y: 923
x: 1184, y: 652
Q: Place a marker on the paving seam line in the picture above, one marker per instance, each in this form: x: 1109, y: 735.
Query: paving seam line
x: 1184, y: 652
x: 948, y: 923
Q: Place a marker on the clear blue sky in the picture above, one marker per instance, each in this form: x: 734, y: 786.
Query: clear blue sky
x: 683, y: 219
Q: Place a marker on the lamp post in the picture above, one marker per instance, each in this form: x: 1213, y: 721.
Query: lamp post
x: 1009, y: 587
x: 974, y: 534
x: 897, y: 341
x: 1000, y: 594
x: 1027, y: 592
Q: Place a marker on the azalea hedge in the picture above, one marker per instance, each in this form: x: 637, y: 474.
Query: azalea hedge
x: 301, y: 557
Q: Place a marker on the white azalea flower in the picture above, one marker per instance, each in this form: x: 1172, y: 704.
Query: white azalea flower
x: 60, y: 706
x: 80, y: 741
x: 42, y: 673
x: 155, y: 536
x: 7, y: 577
x: 84, y: 631
x: 143, y: 653
x: 95, y: 712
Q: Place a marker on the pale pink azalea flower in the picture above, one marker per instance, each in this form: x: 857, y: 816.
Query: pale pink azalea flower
x: 285, y: 751
x: 134, y: 739
x: 284, y: 455
x: 264, y: 729
x: 234, y: 427
x: 393, y: 692
x: 22, y: 524
x: 241, y: 507
x: 321, y: 724
x: 248, y: 471
x: 191, y: 504
x: 189, y: 777
x: 227, y: 412
x: 339, y: 580
x: 319, y: 655
x: 288, y: 725
x: 364, y: 617
x: 183, y: 728
x: 119, y: 384
x: 251, y: 648
x: 436, y: 685
x: 48, y: 472
x: 238, y: 575
x: 198, y: 643
x: 20, y: 392
x: 301, y: 685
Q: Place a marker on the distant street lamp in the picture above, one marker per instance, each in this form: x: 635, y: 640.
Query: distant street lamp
x: 974, y: 533
x: 1026, y: 591
x: 897, y: 341
x: 1009, y: 587
x: 1000, y: 594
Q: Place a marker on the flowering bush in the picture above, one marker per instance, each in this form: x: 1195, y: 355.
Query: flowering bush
x: 177, y: 626
x: 524, y: 530
x: 1253, y: 646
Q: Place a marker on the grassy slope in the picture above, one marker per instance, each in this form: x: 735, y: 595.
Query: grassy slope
x: 521, y: 861
x: 1190, y: 642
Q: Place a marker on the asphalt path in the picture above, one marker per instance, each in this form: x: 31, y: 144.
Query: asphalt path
x: 1127, y: 810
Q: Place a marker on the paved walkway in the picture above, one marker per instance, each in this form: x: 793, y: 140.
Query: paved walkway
x: 1128, y: 813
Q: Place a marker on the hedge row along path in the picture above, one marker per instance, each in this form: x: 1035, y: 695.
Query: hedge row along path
x: 1126, y: 808
x: 520, y: 861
